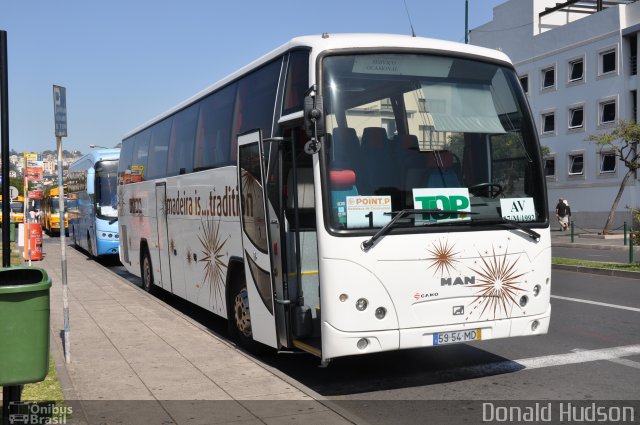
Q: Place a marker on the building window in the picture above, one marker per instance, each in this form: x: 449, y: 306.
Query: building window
x: 550, y: 167
x: 422, y: 105
x: 576, y: 164
x: 607, y: 162
x: 576, y: 70
x: 524, y: 82
x: 607, y: 112
x: 548, y: 123
x: 576, y: 117
x: 608, y: 61
x: 548, y: 78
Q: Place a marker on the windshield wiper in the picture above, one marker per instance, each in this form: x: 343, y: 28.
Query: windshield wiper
x: 366, y: 245
x: 113, y: 220
x: 512, y: 224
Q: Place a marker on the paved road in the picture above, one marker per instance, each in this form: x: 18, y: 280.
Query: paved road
x: 592, y: 352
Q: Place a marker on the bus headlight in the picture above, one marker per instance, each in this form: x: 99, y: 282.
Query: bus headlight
x: 536, y: 290
x: 362, y: 304
x: 381, y: 312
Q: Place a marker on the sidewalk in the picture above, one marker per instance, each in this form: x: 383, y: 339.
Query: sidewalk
x: 587, y: 240
x: 128, y: 345
x: 590, y: 239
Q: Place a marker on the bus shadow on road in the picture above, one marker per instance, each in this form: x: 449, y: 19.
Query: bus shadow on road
x: 394, y: 370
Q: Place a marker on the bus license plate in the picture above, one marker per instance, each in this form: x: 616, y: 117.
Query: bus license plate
x: 453, y: 337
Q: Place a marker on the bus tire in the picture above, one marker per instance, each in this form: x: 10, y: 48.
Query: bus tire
x: 89, y: 247
x: 240, y: 313
x: 146, y: 270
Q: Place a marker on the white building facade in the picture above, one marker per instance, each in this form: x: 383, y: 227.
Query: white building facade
x: 578, y: 66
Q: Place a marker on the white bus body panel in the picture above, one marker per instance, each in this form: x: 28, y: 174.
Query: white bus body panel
x: 203, y: 232
x: 432, y: 283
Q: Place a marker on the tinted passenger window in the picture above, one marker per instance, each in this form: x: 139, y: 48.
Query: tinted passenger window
x: 126, y: 153
x: 183, y: 136
x: 213, y: 138
x: 159, y: 149
x: 297, y: 82
x: 255, y: 101
x: 140, y: 155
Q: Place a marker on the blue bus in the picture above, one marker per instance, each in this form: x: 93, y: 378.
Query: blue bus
x: 93, y: 210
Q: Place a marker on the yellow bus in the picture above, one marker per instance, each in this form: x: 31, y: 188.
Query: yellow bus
x: 17, y: 209
x: 50, y: 216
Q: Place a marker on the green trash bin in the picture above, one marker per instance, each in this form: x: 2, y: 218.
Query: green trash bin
x: 24, y: 325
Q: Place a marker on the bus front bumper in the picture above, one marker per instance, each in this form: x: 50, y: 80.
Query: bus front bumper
x: 336, y: 343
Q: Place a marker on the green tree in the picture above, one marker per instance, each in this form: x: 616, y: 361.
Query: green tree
x: 18, y: 183
x: 623, y: 142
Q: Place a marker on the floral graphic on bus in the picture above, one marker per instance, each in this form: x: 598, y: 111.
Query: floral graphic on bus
x: 212, y: 246
x: 442, y: 256
x: 498, y: 288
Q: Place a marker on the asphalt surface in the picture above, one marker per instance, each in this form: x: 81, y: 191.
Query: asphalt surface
x: 591, y: 353
x: 593, y: 318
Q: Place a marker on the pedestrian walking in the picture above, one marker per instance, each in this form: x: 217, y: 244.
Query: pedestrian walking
x: 562, y: 214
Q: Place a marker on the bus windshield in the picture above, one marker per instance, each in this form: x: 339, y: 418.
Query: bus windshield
x: 426, y: 132
x: 106, y: 189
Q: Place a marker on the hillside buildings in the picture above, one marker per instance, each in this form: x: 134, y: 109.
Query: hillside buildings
x: 577, y: 62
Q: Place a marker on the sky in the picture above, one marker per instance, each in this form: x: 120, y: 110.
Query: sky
x: 124, y: 62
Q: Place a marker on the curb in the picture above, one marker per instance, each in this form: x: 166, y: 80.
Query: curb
x: 597, y: 271
x: 593, y: 246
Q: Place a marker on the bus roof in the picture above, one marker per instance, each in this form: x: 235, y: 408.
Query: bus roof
x: 323, y: 42
x: 95, y: 155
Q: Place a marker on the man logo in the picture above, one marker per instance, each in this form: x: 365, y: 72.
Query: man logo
x: 458, y: 310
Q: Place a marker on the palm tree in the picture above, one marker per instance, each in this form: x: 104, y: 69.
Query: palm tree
x: 623, y: 142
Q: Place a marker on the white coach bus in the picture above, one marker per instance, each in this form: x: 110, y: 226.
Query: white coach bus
x: 347, y: 194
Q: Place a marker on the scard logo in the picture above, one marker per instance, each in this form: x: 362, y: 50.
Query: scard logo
x: 418, y: 296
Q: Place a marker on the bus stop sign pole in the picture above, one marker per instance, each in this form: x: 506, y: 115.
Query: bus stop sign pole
x: 60, y: 115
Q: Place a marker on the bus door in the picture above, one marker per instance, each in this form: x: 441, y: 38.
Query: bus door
x: 260, y: 242
x: 163, y: 237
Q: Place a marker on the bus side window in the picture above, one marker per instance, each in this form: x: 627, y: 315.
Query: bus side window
x: 297, y: 81
x: 255, y: 102
x: 126, y: 156
x: 182, y: 141
x: 159, y: 149
x: 141, y: 154
x: 212, y: 135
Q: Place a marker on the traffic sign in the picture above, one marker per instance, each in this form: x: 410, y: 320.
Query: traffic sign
x: 60, y: 110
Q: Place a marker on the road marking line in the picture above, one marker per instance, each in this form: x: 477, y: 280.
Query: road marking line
x: 578, y: 300
x: 511, y: 366
x: 626, y: 362
x: 613, y: 353
x: 623, y: 362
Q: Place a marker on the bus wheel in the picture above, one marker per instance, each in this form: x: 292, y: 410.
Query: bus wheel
x: 241, y: 313
x: 89, y: 248
x: 146, y: 271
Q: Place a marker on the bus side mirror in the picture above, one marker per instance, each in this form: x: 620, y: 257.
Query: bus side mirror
x: 313, y: 116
